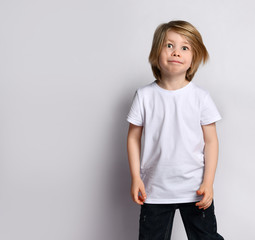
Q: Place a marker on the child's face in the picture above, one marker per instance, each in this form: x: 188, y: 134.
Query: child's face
x: 176, y: 55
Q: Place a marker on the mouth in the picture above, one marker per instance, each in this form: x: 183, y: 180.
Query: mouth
x: 175, y: 62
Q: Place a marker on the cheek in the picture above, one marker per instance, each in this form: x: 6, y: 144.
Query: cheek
x: 189, y: 59
x: 160, y: 59
x: 162, y: 56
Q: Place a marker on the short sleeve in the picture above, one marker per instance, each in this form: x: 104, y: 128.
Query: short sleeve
x: 209, y: 111
x: 135, y: 114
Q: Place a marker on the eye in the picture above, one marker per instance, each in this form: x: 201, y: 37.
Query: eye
x: 185, y: 48
x: 169, y: 45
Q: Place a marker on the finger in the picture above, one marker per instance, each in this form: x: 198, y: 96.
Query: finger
x: 206, y: 206
x: 141, y: 198
x: 207, y: 203
x: 203, y: 202
x: 199, y: 204
x: 138, y: 200
x: 135, y: 196
x: 201, y: 191
x: 143, y: 193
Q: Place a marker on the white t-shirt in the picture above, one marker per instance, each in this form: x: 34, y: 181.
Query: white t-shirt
x: 172, y: 161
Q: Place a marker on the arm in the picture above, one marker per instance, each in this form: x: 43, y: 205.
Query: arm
x: 134, y: 150
x: 211, y: 159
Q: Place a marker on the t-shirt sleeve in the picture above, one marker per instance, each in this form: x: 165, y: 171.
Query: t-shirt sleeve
x: 135, y: 114
x: 209, y: 111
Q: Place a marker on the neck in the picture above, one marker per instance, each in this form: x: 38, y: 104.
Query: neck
x: 173, y: 82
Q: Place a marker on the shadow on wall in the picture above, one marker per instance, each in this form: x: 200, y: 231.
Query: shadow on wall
x: 117, y: 216
x: 126, y: 211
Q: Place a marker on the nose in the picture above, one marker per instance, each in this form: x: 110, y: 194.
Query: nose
x: 175, y: 53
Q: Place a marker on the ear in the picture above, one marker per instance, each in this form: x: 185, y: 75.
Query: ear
x: 188, y: 72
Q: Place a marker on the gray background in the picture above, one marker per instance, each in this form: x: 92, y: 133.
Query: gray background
x: 68, y: 72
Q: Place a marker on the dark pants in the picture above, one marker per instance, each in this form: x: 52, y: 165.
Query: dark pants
x: 156, y: 221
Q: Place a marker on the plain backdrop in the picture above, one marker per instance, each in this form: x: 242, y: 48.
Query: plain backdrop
x: 68, y: 72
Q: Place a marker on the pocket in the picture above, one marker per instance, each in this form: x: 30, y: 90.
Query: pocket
x: 205, y: 213
x: 208, y: 218
x: 143, y: 213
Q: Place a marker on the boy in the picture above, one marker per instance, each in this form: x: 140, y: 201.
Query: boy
x: 180, y: 148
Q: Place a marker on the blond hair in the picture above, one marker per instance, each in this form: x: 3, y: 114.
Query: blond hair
x: 193, y: 37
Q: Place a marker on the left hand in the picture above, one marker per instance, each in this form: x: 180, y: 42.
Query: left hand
x: 207, y: 191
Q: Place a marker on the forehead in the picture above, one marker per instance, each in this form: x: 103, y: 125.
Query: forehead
x: 175, y: 37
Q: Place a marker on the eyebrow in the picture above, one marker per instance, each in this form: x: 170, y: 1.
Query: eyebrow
x: 182, y: 42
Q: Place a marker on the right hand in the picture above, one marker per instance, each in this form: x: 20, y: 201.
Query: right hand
x: 136, y: 187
